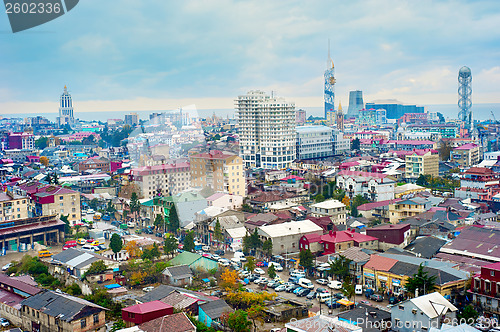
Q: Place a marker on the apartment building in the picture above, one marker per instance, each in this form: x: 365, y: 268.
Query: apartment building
x: 266, y: 126
x: 330, y: 208
x: 485, y: 288
x: 466, y: 155
x: 314, y: 142
x: 13, y: 207
x: 421, y: 162
x: 166, y: 179
x: 221, y: 171
x: 49, y: 200
x: 372, y: 186
x: 407, y: 208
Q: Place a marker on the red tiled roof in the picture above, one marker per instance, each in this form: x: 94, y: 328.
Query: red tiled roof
x: 311, y: 238
x: 17, y: 284
x: 291, y: 177
x: 380, y: 263
x: 467, y: 146
x: 345, y: 236
x: 363, y: 174
x: 370, y: 206
x: 178, y: 322
x: 143, y: 308
x: 411, y: 142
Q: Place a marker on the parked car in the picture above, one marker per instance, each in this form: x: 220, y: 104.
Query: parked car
x: 303, y: 292
x: 358, y: 290
x: 131, y: 224
x: 296, y: 290
x: 280, y: 288
x: 205, y: 248
x: 332, y: 304
x: 159, y: 234
x: 90, y: 240
x: 259, y: 270
x: 339, y: 295
x: 253, y: 277
x: 6, y: 266
x: 369, y: 292
x: 312, y: 295
x: 377, y: 297
x: 215, y: 257
x: 321, y: 290
x: 393, y: 300
x: 138, y: 231
x: 81, y: 241
x: 106, y: 217
x: 261, y: 280
x: 261, y: 264
x: 335, y: 284
x: 148, y: 289
x: 4, y: 322
x: 322, y: 281
x: 291, y: 288
x: 219, y: 252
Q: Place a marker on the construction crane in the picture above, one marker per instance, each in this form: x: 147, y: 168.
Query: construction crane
x: 493, y: 115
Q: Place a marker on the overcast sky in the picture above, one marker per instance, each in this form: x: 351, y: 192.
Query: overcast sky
x: 157, y: 54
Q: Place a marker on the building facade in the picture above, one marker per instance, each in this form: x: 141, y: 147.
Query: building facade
x: 314, y: 142
x: 355, y: 103
x: 466, y: 155
x: 131, y: 119
x: 330, y: 208
x: 421, y: 162
x: 165, y: 179
x: 395, y: 109
x: 13, y: 207
x: 66, y: 116
x: 266, y: 126
x: 220, y: 171
x: 23, y: 141
x: 485, y: 288
x: 372, y: 186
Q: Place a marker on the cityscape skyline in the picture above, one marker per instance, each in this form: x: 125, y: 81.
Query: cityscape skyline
x: 403, y: 51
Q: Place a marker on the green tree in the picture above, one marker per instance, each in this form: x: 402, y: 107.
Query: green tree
x: 306, y: 259
x: 118, y: 325
x: 250, y: 265
x: 319, y: 198
x: 445, y: 150
x: 238, y: 321
x: 339, y: 267
x: 173, y: 219
x: 96, y: 267
x: 170, y: 245
x: 355, y: 144
x: 252, y: 241
x: 271, y: 271
x: 359, y: 200
x: 189, y: 241
x: 246, y: 208
x: 218, y: 231
x: 67, y: 227
x: 255, y: 313
x: 94, y: 204
x: 354, y: 211
x: 348, y: 288
x: 155, y: 251
x: 159, y: 221
x: 135, y: 205
x: 468, y: 314
x: 110, y: 208
x: 267, y: 247
x: 42, y: 143
x: 115, y: 243
x: 421, y: 281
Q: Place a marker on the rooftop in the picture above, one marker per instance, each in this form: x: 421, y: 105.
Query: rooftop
x: 143, y: 308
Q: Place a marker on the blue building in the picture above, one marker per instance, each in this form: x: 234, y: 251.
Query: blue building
x: 211, y: 312
x: 394, y: 109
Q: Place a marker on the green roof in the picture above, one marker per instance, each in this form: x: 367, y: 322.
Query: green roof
x: 185, y: 258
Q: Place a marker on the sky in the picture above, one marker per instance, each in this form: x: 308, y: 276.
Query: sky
x: 157, y: 55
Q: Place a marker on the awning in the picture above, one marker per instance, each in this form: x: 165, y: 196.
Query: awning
x: 345, y: 302
x: 206, y: 280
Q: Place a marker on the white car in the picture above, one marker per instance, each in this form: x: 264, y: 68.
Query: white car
x: 131, y: 224
x: 322, y: 281
x: 244, y: 274
x: 148, y: 289
x: 205, y: 248
x: 335, y: 284
x: 4, y: 322
x: 6, y: 266
x: 215, y: 257
x: 259, y: 270
x: 261, y: 280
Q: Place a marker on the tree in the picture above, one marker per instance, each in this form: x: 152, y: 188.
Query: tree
x: 339, y: 267
x: 42, y: 142
x: 246, y: 208
x: 118, y: 325
x: 173, y: 220
x: 170, y: 245
x: 468, y: 314
x: 135, y: 205
x: 218, y: 231
x: 94, y: 204
x: 159, y: 221
x: 229, y: 279
x: 348, y: 288
x: 67, y: 227
x: 189, y: 241
x: 271, y: 271
x: 359, y: 200
x: 421, y: 281
x: 238, y: 321
x: 445, y: 150
x: 306, y: 259
x: 133, y: 249
x: 44, y: 161
x: 250, y: 265
x: 267, y: 247
x: 354, y: 211
x: 115, y: 243
x: 252, y: 241
x: 319, y: 198
x: 96, y: 267
x: 346, y: 201
x: 255, y: 313
x: 355, y: 144
x: 110, y: 208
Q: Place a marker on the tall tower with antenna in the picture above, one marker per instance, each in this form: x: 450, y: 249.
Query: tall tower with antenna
x: 329, y: 87
x: 464, y: 96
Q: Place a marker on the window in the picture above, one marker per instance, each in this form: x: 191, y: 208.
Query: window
x: 492, y: 273
x: 61, y: 198
x: 83, y: 323
x: 96, y: 319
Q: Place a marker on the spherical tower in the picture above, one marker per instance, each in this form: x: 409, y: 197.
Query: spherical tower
x: 464, y: 96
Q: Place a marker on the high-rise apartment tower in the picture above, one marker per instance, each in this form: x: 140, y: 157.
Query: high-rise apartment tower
x: 266, y: 127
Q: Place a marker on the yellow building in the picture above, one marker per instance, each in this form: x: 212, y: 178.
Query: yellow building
x: 466, y: 155
x: 389, y: 275
x: 422, y: 162
x: 223, y: 172
x: 407, y: 189
x: 407, y: 208
x: 13, y: 207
